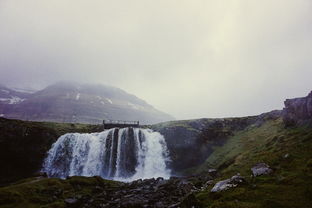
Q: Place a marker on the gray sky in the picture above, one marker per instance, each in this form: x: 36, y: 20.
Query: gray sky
x: 191, y: 59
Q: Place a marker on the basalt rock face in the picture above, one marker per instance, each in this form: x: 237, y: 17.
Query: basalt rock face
x: 23, y: 145
x: 298, y: 110
x: 190, y: 142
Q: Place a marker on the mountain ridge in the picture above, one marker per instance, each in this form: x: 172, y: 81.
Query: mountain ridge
x: 78, y: 103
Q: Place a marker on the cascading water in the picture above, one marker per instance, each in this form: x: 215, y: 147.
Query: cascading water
x: 121, y: 154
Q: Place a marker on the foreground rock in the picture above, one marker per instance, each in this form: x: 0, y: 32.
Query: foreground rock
x: 261, y: 169
x: 228, y: 183
x: 83, y: 192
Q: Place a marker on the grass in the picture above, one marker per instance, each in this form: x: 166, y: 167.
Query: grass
x: 287, y: 151
x: 176, y: 124
x: 51, y: 192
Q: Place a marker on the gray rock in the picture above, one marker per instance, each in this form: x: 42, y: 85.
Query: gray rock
x: 237, y: 179
x: 261, y: 169
x: 228, y: 183
x: 212, y: 170
x: 71, y: 201
x: 297, y: 110
x: 208, y: 183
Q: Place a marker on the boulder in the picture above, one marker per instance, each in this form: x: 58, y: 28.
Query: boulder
x: 286, y: 155
x: 212, y: 172
x: 71, y: 201
x: 228, y: 183
x: 261, y: 169
x: 208, y: 183
x: 40, y: 174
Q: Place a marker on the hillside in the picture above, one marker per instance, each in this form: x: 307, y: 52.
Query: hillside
x: 77, y: 103
x: 204, y: 152
x: 286, y: 150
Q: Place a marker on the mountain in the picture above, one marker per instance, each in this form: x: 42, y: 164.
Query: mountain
x: 11, y: 96
x: 209, y: 153
x: 77, y: 103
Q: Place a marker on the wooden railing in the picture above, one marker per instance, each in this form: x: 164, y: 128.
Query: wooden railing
x: 119, y: 123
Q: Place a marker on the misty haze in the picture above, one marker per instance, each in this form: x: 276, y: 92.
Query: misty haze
x: 154, y: 104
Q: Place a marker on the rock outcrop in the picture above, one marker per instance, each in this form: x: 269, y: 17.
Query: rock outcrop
x: 82, y: 192
x: 24, y: 144
x: 261, y: 169
x: 228, y: 183
x: 298, y: 110
x: 190, y: 142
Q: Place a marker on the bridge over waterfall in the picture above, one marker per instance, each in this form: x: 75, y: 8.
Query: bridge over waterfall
x: 108, y: 124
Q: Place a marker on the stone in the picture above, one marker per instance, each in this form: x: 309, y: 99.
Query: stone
x: 212, y: 172
x: 40, y: 174
x: 261, y: 169
x: 228, y: 183
x: 222, y: 185
x: 208, y: 183
x: 71, y: 201
x: 237, y: 179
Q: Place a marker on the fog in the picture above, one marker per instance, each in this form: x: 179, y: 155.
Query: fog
x: 191, y: 59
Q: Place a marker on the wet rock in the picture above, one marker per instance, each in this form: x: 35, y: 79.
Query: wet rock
x: 212, y: 171
x: 228, y: 183
x: 185, y: 186
x: 160, y: 205
x: 237, y: 179
x: 40, y: 174
x: 71, y: 201
x: 208, y: 183
x: 261, y: 169
x: 176, y: 205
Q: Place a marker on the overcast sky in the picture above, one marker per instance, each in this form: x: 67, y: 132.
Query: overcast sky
x: 189, y: 58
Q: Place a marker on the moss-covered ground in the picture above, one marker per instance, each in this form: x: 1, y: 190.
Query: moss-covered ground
x: 287, y: 150
x: 52, y: 192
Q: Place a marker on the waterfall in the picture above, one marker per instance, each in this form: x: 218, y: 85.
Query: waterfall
x: 120, y: 154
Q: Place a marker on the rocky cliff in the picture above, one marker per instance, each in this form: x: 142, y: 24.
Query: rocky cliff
x: 298, y: 110
x: 23, y: 145
x: 190, y: 142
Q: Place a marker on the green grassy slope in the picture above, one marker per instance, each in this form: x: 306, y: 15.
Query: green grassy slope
x: 287, y: 151
x: 52, y: 192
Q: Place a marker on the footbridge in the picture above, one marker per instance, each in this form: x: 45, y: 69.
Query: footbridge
x: 108, y: 124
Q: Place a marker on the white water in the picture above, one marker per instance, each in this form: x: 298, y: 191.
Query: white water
x: 121, y: 154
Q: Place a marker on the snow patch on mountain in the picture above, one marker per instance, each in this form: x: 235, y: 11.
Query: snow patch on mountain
x: 136, y: 107
x: 5, y: 91
x: 12, y: 100
x: 109, y: 100
x: 78, y: 96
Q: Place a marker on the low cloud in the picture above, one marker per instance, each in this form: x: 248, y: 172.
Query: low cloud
x: 189, y: 58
